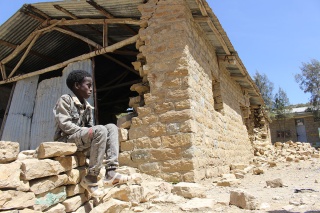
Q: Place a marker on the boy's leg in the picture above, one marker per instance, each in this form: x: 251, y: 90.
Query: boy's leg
x: 112, y: 152
x: 95, y: 138
x: 112, y: 147
x: 98, y: 145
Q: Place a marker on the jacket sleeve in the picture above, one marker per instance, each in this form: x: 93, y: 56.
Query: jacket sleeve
x: 63, y: 117
x: 90, y: 123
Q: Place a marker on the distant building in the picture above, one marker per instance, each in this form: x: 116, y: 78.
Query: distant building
x: 301, y: 126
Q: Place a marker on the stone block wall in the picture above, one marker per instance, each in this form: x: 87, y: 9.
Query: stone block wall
x: 178, y: 134
x: 46, y: 180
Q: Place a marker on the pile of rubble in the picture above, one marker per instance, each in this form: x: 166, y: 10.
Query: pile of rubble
x: 266, y: 153
x: 47, y: 180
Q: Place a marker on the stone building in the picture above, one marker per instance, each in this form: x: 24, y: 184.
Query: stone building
x: 299, y: 126
x: 189, y: 107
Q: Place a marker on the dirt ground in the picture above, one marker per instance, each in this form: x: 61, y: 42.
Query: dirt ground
x: 300, y: 193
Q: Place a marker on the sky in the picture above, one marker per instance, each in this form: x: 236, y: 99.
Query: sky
x: 273, y: 37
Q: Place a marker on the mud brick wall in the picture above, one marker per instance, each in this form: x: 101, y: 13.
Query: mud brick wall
x: 178, y: 135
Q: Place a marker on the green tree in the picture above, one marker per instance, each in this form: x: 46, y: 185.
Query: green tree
x: 281, y: 110
x: 309, y: 81
x: 266, y: 88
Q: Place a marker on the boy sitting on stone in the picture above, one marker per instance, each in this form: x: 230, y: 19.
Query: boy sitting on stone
x: 74, y: 124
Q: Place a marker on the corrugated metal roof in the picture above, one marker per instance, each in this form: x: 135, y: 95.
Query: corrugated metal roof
x: 16, y: 29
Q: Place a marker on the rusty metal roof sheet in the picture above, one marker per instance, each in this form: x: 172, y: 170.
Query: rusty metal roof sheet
x: 16, y: 29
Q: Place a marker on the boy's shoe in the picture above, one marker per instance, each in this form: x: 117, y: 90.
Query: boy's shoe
x: 119, y: 179
x: 92, y: 188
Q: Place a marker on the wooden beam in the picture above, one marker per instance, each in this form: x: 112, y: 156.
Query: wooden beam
x: 106, y: 14
x: 125, y: 52
x: 238, y: 78
x: 36, y: 10
x: 201, y: 18
x: 215, y: 31
x: 13, y: 46
x: 3, y: 71
x: 101, y: 51
x: 82, y: 38
x: 219, y: 37
x: 58, y: 7
x: 33, y: 16
x: 7, y: 110
x: 121, y: 64
x: 202, y: 7
x: 27, y: 42
x: 100, y: 9
x: 105, y: 35
x: 96, y: 21
x: 119, y: 85
x: 97, y: 46
x: 68, y: 13
x: 24, y: 55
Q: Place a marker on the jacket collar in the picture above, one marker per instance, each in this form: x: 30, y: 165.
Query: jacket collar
x: 78, y: 103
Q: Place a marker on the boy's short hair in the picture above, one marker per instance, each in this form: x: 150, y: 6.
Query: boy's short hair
x: 76, y: 76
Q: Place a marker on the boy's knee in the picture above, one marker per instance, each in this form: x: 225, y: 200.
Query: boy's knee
x: 99, y: 129
x: 111, y: 127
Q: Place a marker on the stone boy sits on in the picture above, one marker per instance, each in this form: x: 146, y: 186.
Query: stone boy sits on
x: 74, y: 124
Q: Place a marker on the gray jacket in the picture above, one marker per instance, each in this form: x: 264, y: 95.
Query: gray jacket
x: 71, y: 116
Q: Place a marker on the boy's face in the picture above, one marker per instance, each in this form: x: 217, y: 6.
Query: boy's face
x: 83, y: 90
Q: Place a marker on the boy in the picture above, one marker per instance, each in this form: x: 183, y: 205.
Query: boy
x: 74, y: 124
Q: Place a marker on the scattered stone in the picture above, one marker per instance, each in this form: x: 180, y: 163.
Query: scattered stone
x: 74, y: 175
x: 87, y: 207
x: 12, y: 199
x: 248, y: 168
x: 264, y: 206
x: 74, y: 190
x: 41, y: 185
x: 272, y: 164
x: 288, y: 207
x: 8, y: 151
x: 198, y: 204
x: 258, y: 171
x: 277, y: 198
x: 295, y: 202
x: 10, y: 175
x: 168, y: 198
x: 123, y: 134
x: 243, y: 199
x: 24, y: 186
x: 26, y: 154
x: 50, y: 198
x: 73, y: 203
x: 133, y: 193
x: 238, y: 166
x: 239, y: 175
x: 274, y: 183
x: 28, y: 211
x: 34, y: 168
x: 111, y: 206
x: 59, y: 208
x: 189, y: 190
x: 55, y: 149
x: 138, y: 209
x: 234, y: 182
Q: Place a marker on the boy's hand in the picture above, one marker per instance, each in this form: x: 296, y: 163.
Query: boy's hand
x: 90, y: 134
